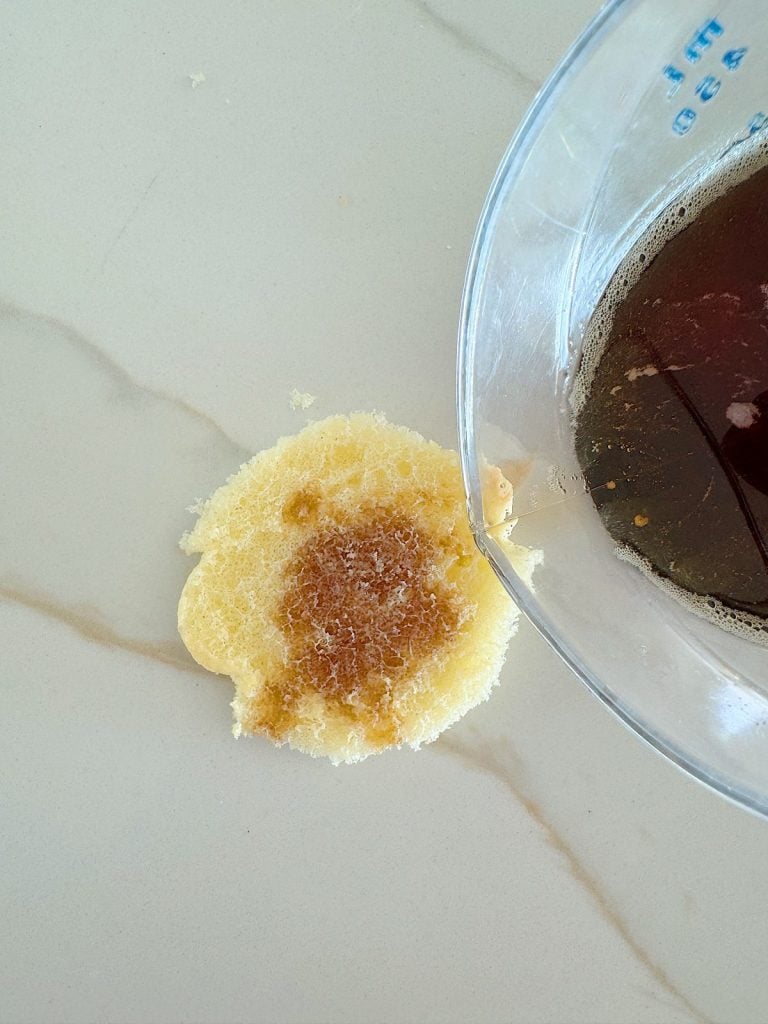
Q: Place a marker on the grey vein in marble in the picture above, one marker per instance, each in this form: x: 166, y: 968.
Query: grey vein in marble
x: 469, y: 44
x: 483, y: 756
x: 126, y: 223
x: 96, y: 632
x: 97, y: 473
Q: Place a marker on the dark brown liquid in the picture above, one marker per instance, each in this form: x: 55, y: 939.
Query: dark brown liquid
x: 673, y: 435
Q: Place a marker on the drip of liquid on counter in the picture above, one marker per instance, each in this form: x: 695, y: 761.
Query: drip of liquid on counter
x: 671, y: 401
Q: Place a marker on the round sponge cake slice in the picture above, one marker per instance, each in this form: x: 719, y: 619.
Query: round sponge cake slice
x: 340, y: 587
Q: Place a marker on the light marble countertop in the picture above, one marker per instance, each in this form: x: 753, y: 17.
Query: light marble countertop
x: 178, y: 253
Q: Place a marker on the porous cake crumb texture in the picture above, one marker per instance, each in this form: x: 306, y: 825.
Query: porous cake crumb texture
x: 340, y: 587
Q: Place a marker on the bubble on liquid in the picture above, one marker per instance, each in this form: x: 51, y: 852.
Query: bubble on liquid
x: 740, y: 623
x: 554, y: 480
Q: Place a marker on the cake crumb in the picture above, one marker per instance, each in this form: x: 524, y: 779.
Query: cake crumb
x: 641, y: 520
x: 497, y: 496
x: 196, y: 79
x: 301, y: 399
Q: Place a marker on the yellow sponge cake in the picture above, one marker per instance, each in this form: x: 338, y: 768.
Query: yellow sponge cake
x: 340, y: 587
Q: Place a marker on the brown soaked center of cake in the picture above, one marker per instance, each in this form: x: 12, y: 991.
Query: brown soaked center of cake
x: 361, y: 607
x: 361, y: 601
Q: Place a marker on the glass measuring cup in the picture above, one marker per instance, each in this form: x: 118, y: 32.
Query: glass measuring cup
x: 650, y: 97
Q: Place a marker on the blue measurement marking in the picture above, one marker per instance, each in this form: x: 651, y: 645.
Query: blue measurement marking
x: 708, y: 88
x: 702, y: 41
x: 675, y: 77
x: 684, y: 121
x: 732, y: 58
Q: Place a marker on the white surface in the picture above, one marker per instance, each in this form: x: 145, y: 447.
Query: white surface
x: 299, y: 219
